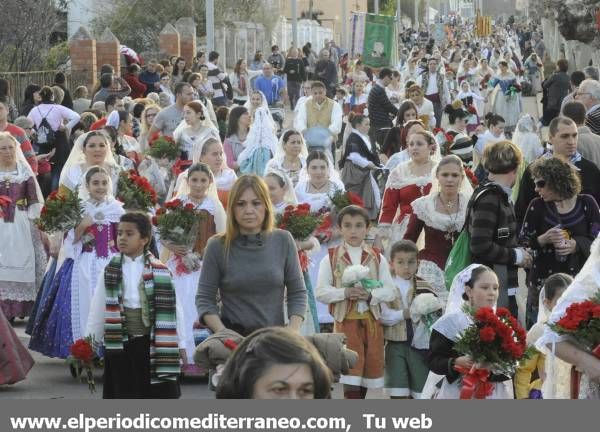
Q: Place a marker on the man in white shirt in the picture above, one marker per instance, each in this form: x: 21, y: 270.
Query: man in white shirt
x: 319, y: 111
x: 436, y: 89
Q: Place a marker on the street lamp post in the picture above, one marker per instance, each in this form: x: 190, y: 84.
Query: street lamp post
x: 210, y: 25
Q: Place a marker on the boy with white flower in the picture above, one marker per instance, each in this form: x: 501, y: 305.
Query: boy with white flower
x: 406, y: 323
x: 354, y: 279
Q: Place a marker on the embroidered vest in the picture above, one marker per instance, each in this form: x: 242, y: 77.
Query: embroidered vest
x: 340, y: 259
x: 316, y: 116
x: 439, y: 82
x: 398, y: 332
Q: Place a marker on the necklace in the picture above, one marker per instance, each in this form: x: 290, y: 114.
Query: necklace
x: 319, y: 189
x: 452, y: 227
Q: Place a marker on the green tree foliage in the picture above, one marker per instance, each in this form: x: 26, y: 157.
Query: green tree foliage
x: 137, y: 23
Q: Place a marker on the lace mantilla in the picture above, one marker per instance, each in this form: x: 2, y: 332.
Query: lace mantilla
x: 425, y: 210
x: 401, y: 176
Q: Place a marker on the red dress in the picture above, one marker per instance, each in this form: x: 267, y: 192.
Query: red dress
x: 441, y: 230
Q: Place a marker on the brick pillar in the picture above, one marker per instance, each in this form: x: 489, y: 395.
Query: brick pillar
x: 168, y: 41
x: 108, y: 50
x: 82, y: 48
x: 187, y: 34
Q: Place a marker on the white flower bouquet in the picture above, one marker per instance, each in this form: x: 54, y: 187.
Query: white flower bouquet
x: 358, y: 274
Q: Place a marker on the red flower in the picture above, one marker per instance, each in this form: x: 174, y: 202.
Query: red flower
x: 44, y: 211
x: 487, y: 334
x: 82, y: 350
x: 154, y: 220
x: 160, y: 211
x: 355, y: 199
x: 52, y: 195
x: 189, y: 206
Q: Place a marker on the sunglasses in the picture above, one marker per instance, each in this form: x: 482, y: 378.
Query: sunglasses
x: 540, y: 184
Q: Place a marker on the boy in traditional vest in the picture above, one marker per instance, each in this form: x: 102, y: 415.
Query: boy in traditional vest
x: 363, y: 330
x: 405, y: 368
x: 135, y: 311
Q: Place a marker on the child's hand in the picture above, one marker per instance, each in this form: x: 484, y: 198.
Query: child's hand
x: 464, y: 361
x: 183, y: 356
x: 353, y: 293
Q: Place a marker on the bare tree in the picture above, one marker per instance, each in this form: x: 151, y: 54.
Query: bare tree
x: 26, y: 35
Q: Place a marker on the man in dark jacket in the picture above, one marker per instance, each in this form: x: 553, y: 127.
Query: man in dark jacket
x: 563, y: 137
x: 492, y: 224
x: 556, y: 88
x: 381, y: 110
x: 296, y: 75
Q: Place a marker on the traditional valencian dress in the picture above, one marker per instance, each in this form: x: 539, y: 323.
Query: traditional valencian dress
x: 185, y: 278
x: 506, y: 104
x: 20, y: 205
x: 15, y: 360
x: 441, y: 230
x: 318, y: 201
x: 444, y: 334
x: 401, y: 189
x: 62, y: 317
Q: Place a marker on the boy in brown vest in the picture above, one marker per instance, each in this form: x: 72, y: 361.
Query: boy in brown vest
x: 363, y: 330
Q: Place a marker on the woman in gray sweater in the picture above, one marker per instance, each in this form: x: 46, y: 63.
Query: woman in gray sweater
x: 252, y: 266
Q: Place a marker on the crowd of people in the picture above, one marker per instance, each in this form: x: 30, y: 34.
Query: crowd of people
x: 434, y: 146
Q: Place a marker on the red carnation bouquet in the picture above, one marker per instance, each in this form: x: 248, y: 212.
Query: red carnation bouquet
x: 135, y: 191
x: 341, y: 199
x: 163, y: 147
x: 177, y: 224
x: 301, y: 223
x: 61, y: 212
x: 496, y: 342
x: 582, y: 323
x: 83, y: 357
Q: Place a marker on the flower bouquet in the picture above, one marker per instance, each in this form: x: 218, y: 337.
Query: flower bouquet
x: 5, y: 202
x: 301, y: 223
x: 358, y: 274
x: 324, y: 231
x: 177, y: 223
x: 61, y: 212
x: 163, y: 147
x: 425, y: 309
x: 341, y: 199
x: 513, y: 89
x: 135, y: 191
x: 582, y: 323
x: 496, y: 342
x: 83, y: 357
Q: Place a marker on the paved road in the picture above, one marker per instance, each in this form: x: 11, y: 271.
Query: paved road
x: 51, y: 379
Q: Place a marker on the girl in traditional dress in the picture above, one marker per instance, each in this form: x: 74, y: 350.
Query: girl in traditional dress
x: 20, y: 203
x: 472, y: 102
x: 358, y: 161
x: 424, y: 105
x: 199, y: 189
x: 260, y: 144
x: 147, y: 119
x: 282, y: 195
x: 477, y: 285
x: 237, y: 132
x: 290, y: 155
x: 88, y: 248
x: 409, y: 128
x: 315, y: 187
x: 210, y: 152
x: 196, y: 126
x: 441, y: 214
x: 122, y: 121
x: 507, y: 103
x: 357, y: 100
x: 408, y: 181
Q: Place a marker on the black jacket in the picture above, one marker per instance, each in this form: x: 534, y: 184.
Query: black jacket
x: 355, y: 144
x: 381, y: 110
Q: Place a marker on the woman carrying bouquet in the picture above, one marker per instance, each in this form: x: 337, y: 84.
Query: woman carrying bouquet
x: 477, y: 286
x: 584, y: 288
x: 199, y: 191
x: 20, y: 202
x: 88, y: 247
x: 283, y: 195
x: 321, y: 183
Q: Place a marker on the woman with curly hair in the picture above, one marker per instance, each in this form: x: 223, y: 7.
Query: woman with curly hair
x: 560, y: 225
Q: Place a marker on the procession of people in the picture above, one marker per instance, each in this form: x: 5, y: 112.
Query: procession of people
x: 185, y: 222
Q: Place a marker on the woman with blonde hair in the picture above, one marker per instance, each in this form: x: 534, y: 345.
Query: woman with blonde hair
x: 147, y: 118
x: 251, y: 253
